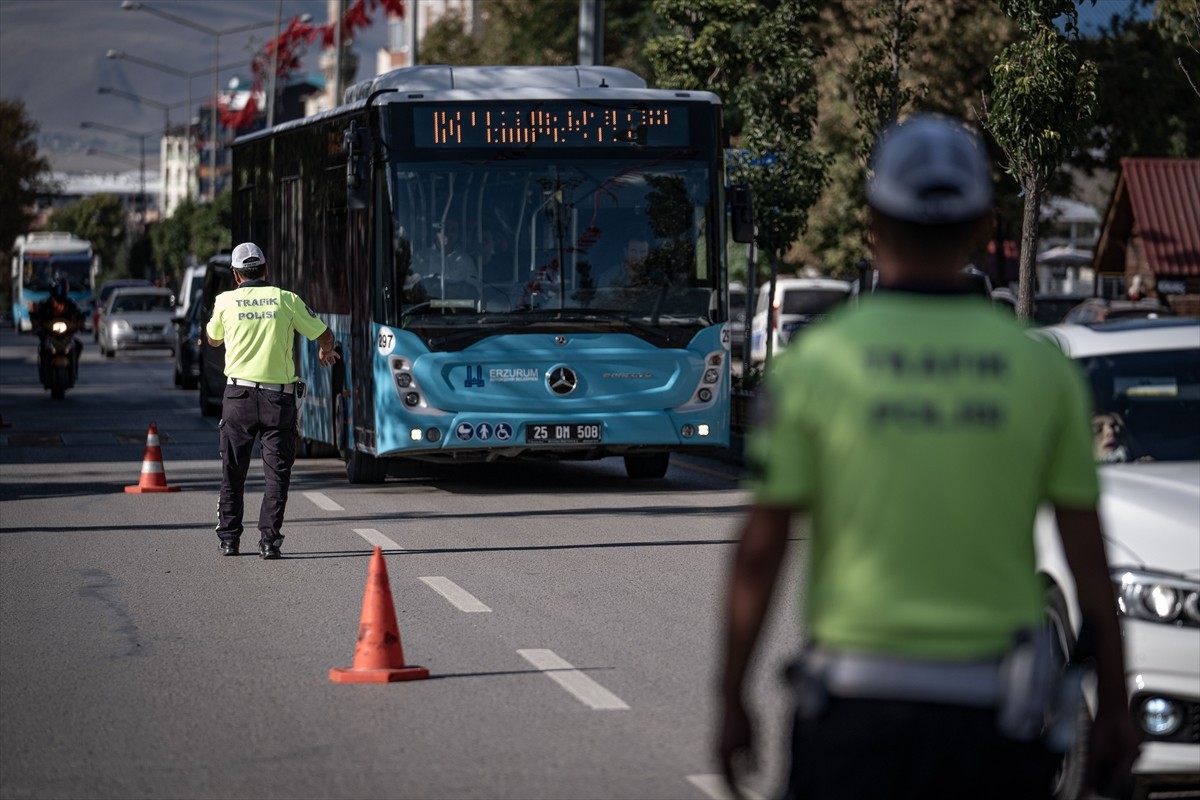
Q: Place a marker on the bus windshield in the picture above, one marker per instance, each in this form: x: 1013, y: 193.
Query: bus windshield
x: 617, y: 243
x: 41, y: 269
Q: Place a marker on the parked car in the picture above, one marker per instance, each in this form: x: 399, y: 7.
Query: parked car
x: 1145, y: 382
x: 211, y: 376
x: 106, y: 290
x: 190, y: 285
x: 138, y: 317
x: 798, y: 302
x: 187, y: 345
x: 737, y: 317
x: 1049, y: 309
x: 1102, y: 309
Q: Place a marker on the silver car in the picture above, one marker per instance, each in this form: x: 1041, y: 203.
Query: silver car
x: 1145, y: 381
x: 138, y: 318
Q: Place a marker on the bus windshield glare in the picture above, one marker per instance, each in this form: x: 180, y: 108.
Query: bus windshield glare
x: 602, y: 238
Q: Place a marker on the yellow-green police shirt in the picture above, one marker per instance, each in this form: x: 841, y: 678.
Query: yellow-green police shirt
x: 922, y: 432
x: 258, y: 323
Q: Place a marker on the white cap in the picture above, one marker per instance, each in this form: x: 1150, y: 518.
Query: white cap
x: 930, y: 169
x: 247, y: 256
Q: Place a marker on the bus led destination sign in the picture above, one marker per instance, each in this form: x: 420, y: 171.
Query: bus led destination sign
x: 546, y: 125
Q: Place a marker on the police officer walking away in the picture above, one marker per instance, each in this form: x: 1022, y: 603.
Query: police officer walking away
x: 920, y: 431
x: 257, y: 323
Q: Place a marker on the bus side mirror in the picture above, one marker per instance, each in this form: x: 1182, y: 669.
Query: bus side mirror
x: 357, y: 167
x: 742, y: 209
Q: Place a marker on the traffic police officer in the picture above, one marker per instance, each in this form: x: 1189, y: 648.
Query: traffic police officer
x: 257, y: 323
x: 921, y: 430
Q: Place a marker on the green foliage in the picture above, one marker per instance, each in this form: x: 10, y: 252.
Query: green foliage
x: 24, y: 173
x: 102, y: 220
x: 537, y: 32
x: 756, y: 56
x: 880, y: 91
x: 1043, y: 102
x: 193, y: 234
x: 1149, y: 106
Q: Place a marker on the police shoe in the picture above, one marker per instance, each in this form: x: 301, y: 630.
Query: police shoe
x: 229, y: 548
x: 269, y: 550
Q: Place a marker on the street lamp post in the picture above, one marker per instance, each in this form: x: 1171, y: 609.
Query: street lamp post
x: 187, y: 76
x: 141, y: 137
x: 134, y: 5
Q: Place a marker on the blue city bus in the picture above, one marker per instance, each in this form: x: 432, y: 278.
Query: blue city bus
x: 41, y: 256
x: 464, y: 230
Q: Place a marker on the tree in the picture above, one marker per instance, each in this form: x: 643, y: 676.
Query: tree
x: 103, y: 221
x: 24, y: 174
x: 535, y: 32
x: 1149, y: 105
x: 193, y: 234
x: 882, y: 59
x: 1179, y: 23
x: 1042, y: 104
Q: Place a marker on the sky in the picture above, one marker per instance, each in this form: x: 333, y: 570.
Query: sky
x: 52, y: 57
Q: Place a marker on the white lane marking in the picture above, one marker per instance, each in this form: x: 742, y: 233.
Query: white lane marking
x: 378, y: 539
x: 323, y: 502
x: 586, y: 690
x: 714, y: 786
x: 459, y: 597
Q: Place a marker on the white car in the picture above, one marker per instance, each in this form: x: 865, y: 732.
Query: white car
x: 798, y: 303
x: 1145, y: 380
x: 137, y: 317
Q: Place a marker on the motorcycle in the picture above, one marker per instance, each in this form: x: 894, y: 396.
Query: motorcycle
x: 58, y: 358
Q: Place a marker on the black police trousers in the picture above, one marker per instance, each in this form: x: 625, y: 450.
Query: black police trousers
x: 903, y: 750
x: 248, y: 413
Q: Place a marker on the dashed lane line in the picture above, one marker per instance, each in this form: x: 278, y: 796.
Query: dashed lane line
x: 378, y: 539
x: 714, y: 787
x: 459, y: 597
x: 322, y: 502
x: 559, y: 670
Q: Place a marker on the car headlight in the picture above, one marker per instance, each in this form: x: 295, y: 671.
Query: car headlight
x: 120, y: 325
x: 1157, y: 598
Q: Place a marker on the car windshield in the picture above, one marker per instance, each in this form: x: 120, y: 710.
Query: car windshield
x: 134, y: 303
x: 811, y: 301
x: 1147, y: 405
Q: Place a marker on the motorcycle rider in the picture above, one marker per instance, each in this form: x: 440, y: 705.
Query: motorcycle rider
x: 58, y: 305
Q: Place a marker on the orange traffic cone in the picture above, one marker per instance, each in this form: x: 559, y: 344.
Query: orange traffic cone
x: 154, y: 478
x: 378, y: 656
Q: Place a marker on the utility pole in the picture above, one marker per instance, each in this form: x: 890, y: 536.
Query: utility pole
x: 591, y: 33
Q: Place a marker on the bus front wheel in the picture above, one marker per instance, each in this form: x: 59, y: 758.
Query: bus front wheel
x: 652, y: 465
x: 365, y: 468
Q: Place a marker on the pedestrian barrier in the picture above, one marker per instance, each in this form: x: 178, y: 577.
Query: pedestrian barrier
x: 378, y: 656
x: 153, y: 477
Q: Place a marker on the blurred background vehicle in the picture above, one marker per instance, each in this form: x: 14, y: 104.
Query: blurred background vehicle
x: 798, y: 303
x: 1102, y: 309
x: 211, y: 370
x: 138, y: 317
x: 106, y: 290
x: 187, y: 345
x: 1144, y: 377
x: 737, y: 318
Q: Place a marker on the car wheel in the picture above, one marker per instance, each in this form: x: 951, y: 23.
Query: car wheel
x: 178, y: 375
x: 653, y: 465
x: 1071, y: 777
x: 187, y: 380
x: 207, y: 407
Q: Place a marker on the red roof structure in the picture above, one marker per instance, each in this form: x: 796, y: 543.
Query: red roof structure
x: 1153, y: 221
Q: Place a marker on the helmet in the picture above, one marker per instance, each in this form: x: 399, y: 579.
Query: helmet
x: 931, y: 170
x: 58, y: 288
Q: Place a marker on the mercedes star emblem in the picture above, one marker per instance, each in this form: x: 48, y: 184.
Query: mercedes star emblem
x: 562, y: 380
